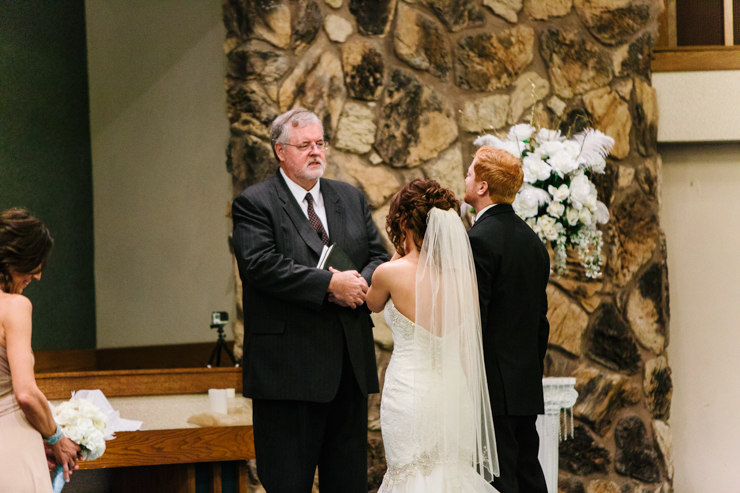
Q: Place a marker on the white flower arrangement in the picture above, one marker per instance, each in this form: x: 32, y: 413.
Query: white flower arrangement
x: 89, y: 420
x: 84, y: 424
x: 558, y: 199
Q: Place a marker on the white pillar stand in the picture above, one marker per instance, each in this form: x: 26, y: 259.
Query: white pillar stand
x: 560, y: 394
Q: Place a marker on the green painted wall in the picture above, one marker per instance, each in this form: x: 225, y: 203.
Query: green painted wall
x: 45, y: 163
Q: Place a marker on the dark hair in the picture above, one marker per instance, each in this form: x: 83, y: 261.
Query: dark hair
x: 409, y: 208
x: 25, y: 245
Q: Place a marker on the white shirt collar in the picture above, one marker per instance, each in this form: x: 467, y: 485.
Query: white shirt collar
x: 300, y: 193
x: 480, y: 214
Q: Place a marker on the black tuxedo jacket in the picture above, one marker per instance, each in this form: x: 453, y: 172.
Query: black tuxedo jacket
x: 294, y: 338
x: 513, y: 267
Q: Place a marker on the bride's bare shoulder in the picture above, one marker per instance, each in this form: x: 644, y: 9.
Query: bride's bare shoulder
x: 394, y: 268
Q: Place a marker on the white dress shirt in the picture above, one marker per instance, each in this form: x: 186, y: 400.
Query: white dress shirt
x: 300, y: 196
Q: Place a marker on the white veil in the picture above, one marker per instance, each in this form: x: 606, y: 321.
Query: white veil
x: 453, y: 423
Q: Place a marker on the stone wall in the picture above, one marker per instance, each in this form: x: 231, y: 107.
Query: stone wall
x: 404, y: 87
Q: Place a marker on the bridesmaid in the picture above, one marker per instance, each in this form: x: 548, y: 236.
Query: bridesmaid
x: 26, y: 421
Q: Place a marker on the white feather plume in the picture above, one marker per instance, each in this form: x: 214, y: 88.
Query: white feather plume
x: 488, y: 140
x: 595, y: 146
x: 512, y: 146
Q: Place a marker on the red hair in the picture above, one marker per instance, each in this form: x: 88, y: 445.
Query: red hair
x: 409, y: 208
x: 501, y: 170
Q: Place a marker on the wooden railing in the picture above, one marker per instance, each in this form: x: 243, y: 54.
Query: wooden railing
x: 169, y: 453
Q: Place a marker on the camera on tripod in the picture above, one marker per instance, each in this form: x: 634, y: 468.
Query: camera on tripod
x: 218, y: 320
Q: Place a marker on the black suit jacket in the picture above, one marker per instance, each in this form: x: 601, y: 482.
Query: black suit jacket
x: 294, y: 338
x: 513, y: 267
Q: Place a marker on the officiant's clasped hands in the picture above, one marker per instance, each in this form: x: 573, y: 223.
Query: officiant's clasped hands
x: 347, y: 288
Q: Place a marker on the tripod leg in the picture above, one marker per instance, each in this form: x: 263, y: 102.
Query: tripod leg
x: 213, y: 356
x: 230, y: 354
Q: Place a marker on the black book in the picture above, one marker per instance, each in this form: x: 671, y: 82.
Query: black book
x: 334, y: 256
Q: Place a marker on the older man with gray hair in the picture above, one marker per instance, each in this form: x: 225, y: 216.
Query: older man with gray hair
x: 309, y: 357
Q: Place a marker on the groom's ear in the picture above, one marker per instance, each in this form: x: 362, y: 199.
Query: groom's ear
x: 483, y: 190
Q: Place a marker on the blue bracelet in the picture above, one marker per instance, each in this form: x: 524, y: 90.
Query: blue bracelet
x: 52, y: 440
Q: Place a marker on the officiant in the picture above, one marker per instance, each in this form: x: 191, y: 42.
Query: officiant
x: 309, y: 357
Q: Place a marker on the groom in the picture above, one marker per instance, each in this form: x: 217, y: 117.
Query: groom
x: 513, y: 267
x: 309, y: 356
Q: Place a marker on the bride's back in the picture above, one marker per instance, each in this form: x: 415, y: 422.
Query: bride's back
x: 406, y: 225
x: 403, y: 286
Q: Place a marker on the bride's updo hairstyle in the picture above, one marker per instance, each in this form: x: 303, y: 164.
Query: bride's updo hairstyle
x: 409, y: 208
x: 25, y: 245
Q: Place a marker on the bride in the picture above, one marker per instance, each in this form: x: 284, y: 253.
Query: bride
x: 435, y: 413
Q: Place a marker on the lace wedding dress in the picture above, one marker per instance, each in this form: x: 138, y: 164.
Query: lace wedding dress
x: 434, y: 412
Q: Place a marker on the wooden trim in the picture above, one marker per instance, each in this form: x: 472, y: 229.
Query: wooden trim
x: 65, y: 360
x: 696, y: 58
x: 194, y: 355
x: 214, y: 485
x: 729, y: 32
x: 119, y: 383
x: 243, y: 482
x: 667, y: 34
x: 182, y: 446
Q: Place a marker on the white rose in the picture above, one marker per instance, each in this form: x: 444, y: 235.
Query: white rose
x: 571, y: 215
x: 547, y: 225
x: 582, y: 192
x: 562, y: 163
x: 599, y: 166
x: 573, y: 148
x: 550, y: 148
x: 585, y: 216
x: 532, y: 222
x: 560, y: 194
x: 521, y: 132
x: 525, y: 205
x: 74, y: 433
x: 535, y: 169
x: 85, y: 426
x: 545, y: 135
x: 555, y: 209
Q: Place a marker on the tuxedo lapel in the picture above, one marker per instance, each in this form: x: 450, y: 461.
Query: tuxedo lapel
x: 334, y: 212
x: 296, y: 215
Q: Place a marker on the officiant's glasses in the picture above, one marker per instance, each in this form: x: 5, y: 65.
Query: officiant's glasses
x: 321, y: 145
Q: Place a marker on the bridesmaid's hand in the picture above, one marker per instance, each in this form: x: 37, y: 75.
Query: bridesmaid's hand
x: 51, y: 461
x: 66, y: 453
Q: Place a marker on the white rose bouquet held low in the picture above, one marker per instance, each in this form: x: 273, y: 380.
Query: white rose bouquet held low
x: 558, y: 199
x: 83, y: 423
x: 88, y: 420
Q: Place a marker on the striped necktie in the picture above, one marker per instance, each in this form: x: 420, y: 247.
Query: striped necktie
x: 315, y: 221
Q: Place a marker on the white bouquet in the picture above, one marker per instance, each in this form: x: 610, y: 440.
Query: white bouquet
x: 89, y: 420
x: 558, y: 199
x: 83, y: 423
